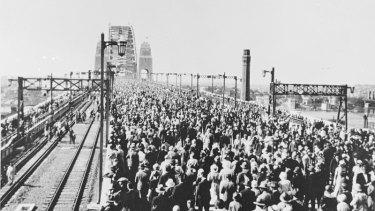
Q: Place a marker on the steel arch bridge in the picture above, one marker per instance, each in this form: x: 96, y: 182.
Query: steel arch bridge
x: 126, y: 65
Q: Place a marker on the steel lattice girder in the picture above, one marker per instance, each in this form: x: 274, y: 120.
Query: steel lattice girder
x: 60, y: 84
x: 310, y: 89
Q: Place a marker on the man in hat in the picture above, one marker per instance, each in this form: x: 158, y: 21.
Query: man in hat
x: 132, y: 161
x: 235, y: 205
x: 167, y: 173
x: 285, y: 201
x: 264, y: 192
x: 260, y: 203
x: 161, y: 202
x: 179, y: 194
x: 142, y: 180
x: 123, y: 182
x: 131, y: 198
x: 254, y: 188
x: 316, y: 183
x: 247, y: 196
x: 203, y: 191
x: 244, y: 174
x: 275, y: 193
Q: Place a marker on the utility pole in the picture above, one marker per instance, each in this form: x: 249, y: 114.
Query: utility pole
x: 180, y: 83
x: 212, y: 84
x: 101, y: 115
x: 191, y: 81
x: 224, y: 88
x: 51, y: 87
x: 235, y: 91
x: 197, y: 85
x: 273, y: 91
x: 272, y: 97
x: 20, y: 111
x: 167, y: 79
x: 107, y: 102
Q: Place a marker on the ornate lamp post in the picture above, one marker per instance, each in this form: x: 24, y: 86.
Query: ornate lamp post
x: 121, y: 52
x: 271, y: 97
x: 223, y: 76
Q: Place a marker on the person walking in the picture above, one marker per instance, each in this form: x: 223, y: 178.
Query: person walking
x: 203, y: 192
x: 11, y: 172
x: 72, y: 136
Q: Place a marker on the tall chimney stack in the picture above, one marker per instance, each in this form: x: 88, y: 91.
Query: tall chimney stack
x: 245, y: 91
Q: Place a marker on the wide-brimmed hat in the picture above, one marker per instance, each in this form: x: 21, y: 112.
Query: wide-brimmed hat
x: 122, y: 179
x: 263, y: 185
x: 284, y: 197
x: 170, y: 183
x: 261, y: 200
x: 341, y: 198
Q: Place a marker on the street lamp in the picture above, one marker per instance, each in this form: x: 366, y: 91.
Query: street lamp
x: 271, y: 97
x: 122, y: 48
x: 110, y: 79
x: 121, y: 52
x: 223, y: 76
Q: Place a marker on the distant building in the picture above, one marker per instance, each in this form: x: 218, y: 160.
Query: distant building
x: 145, y: 61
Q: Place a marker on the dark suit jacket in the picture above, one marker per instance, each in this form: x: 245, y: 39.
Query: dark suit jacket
x: 333, y: 165
x: 247, y: 199
x: 142, y: 179
x: 161, y: 203
x: 316, y: 183
x: 241, y: 176
x: 179, y: 195
x: 203, y: 192
x: 361, y: 179
x: 131, y: 199
x: 227, y: 188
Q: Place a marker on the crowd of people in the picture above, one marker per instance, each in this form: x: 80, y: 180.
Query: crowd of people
x: 32, y: 116
x: 172, y: 150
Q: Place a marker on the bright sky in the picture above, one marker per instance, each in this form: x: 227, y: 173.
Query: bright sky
x: 315, y: 41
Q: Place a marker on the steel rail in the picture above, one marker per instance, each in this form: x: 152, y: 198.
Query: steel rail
x: 22, y: 160
x: 78, y: 198
x: 13, y: 189
x: 63, y: 181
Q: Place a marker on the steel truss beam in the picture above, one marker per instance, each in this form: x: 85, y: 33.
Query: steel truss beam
x: 340, y: 91
x: 58, y: 84
x: 55, y: 84
x: 310, y: 89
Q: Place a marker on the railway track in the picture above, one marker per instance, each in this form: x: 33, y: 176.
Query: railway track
x: 68, y: 194
x: 31, y: 168
x: 21, y: 159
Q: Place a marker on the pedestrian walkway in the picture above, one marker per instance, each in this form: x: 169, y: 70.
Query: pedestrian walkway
x: 107, y: 183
